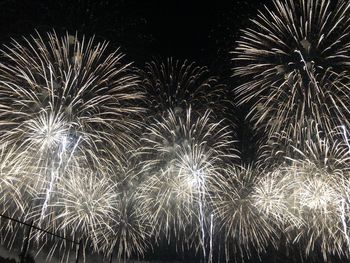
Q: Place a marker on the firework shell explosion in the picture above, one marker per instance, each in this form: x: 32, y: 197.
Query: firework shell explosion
x: 281, y: 147
x: 315, y: 180
x: 71, y: 160
x: 320, y: 173
x: 232, y: 200
x: 175, y: 85
x: 179, y: 152
x: 293, y: 62
x: 67, y: 115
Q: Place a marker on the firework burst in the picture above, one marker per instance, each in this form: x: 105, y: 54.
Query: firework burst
x: 179, y: 154
x: 273, y: 197
x: 57, y: 90
x: 67, y: 112
x: 284, y: 148
x: 131, y: 235
x: 12, y: 180
x: 294, y: 61
x: 185, y: 136
x: 320, y: 171
x: 85, y: 204
x: 319, y: 199
x: 238, y: 214
x: 313, y: 167
x: 175, y: 85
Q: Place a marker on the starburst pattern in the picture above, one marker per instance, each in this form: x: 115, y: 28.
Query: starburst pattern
x: 294, y: 64
x: 131, y: 235
x: 68, y: 112
x: 175, y: 85
x: 319, y: 171
x: 245, y: 228
x: 86, y: 204
x: 179, y: 154
x: 78, y: 156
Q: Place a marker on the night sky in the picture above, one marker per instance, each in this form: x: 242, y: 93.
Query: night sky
x: 193, y: 30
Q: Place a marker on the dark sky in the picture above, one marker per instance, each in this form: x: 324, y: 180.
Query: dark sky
x: 185, y: 29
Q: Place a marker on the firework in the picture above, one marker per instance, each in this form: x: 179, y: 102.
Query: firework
x: 11, y: 174
x: 294, y: 63
x: 175, y: 85
x: 313, y: 167
x: 170, y: 201
x: 86, y: 204
x: 185, y: 136
x: 273, y: 196
x: 179, y: 154
x: 308, y: 142
x: 319, y: 171
x: 318, y: 198
x: 67, y: 115
x: 131, y: 235
x: 57, y: 90
x: 238, y: 215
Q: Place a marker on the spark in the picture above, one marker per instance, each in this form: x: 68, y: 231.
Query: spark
x: 245, y: 229
x: 69, y: 111
x: 176, y: 85
x: 179, y: 153
x: 294, y: 65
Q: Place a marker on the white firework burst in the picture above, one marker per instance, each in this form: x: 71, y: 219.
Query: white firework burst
x: 294, y: 62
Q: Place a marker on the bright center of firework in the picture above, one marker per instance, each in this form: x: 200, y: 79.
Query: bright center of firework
x: 196, y: 179
x: 47, y: 130
x: 317, y: 195
x: 51, y: 137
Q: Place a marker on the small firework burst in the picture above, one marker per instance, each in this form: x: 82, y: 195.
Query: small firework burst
x: 170, y: 202
x: 319, y: 170
x: 86, y: 203
x: 185, y: 137
x: 245, y: 228
x: 318, y: 197
x: 12, y: 180
x: 131, y: 235
x: 294, y: 63
x: 273, y: 197
x: 175, y: 85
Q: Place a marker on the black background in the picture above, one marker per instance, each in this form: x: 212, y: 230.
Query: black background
x: 195, y: 30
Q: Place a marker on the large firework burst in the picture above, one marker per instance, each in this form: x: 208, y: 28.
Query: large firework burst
x: 315, y: 170
x: 293, y: 62
x: 66, y: 114
x: 179, y: 153
x: 57, y: 91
